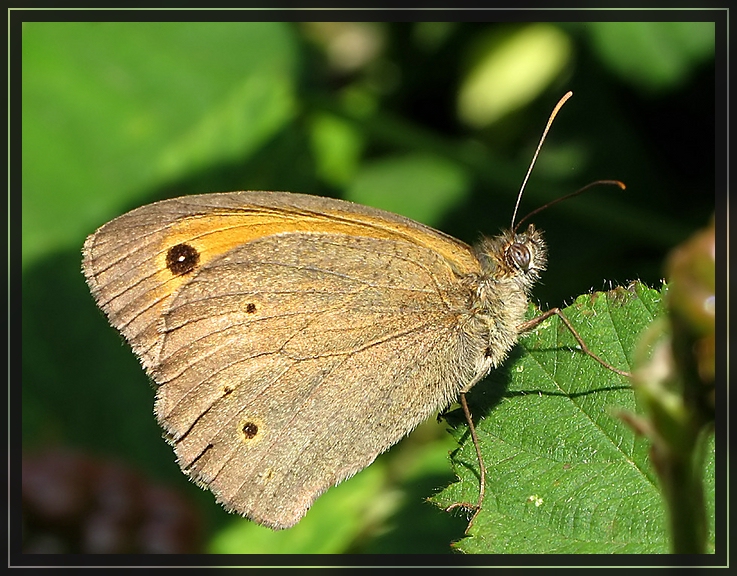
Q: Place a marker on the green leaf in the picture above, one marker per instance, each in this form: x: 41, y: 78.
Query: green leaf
x: 653, y: 56
x: 524, y: 60
x: 421, y: 186
x: 112, y: 110
x: 563, y: 473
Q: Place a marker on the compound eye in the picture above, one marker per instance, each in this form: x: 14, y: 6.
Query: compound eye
x: 519, y: 255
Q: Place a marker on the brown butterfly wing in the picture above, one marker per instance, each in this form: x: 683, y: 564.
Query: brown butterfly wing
x: 306, y: 336
x: 121, y: 269
x: 125, y: 264
x: 291, y: 362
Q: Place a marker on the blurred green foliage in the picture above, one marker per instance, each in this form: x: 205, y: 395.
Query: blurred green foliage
x: 116, y: 115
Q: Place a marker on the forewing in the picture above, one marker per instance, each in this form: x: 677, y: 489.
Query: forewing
x: 125, y: 265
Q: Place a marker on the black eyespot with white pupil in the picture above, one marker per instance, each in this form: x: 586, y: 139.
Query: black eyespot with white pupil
x: 182, y: 259
x: 519, y: 255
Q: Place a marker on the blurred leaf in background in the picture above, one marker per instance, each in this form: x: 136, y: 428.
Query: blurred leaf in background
x: 117, y: 109
x: 525, y: 59
x: 116, y: 115
x: 653, y: 57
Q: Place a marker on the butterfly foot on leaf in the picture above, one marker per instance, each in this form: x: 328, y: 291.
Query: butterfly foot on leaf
x: 475, y: 508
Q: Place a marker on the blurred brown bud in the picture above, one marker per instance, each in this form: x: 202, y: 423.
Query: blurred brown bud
x: 691, y: 272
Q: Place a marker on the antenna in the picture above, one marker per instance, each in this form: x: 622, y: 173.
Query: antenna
x: 553, y: 114
x: 571, y: 195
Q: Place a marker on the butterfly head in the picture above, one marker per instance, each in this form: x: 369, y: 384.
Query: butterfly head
x: 518, y: 257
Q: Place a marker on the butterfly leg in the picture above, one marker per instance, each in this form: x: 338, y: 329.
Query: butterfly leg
x: 530, y: 324
x: 482, y: 468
